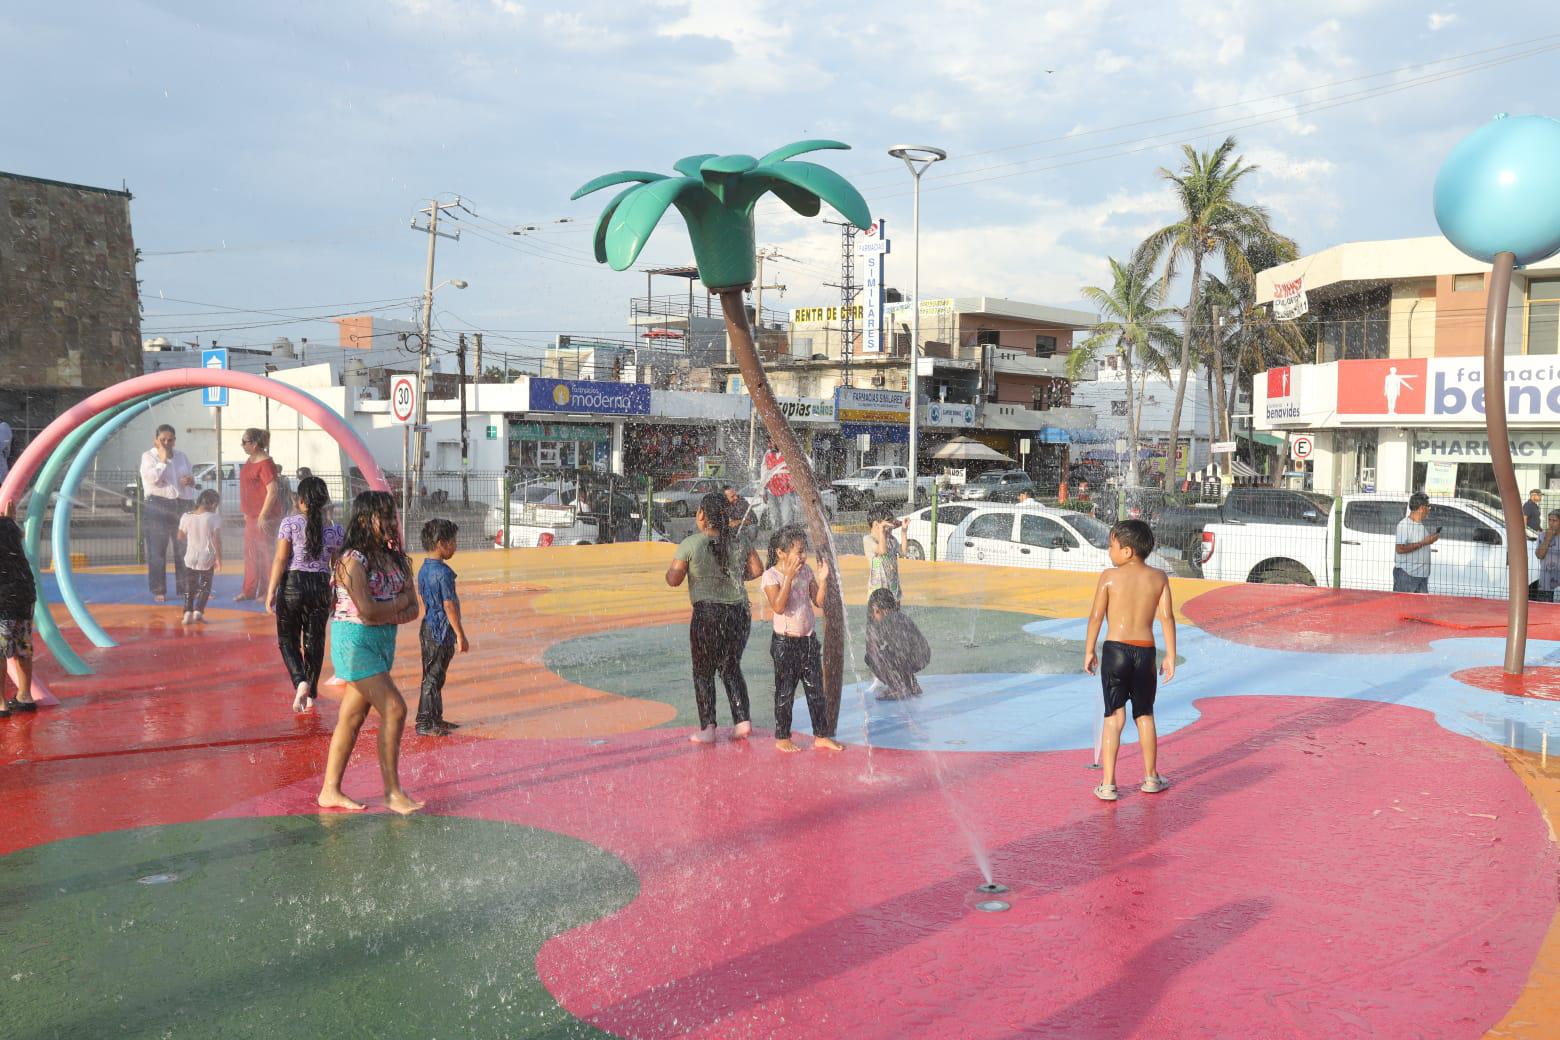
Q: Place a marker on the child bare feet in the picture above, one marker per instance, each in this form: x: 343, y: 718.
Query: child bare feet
x: 402, y: 803
x: 827, y: 744
x: 742, y: 731
x: 301, y: 697
x: 704, y: 736
x: 337, y: 800
x: 786, y: 745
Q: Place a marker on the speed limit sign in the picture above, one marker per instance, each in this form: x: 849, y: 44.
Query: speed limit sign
x: 403, y: 399
x: 1301, y: 447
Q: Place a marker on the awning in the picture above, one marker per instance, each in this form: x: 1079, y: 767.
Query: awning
x: 1238, y: 468
x: 1271, y: 440
x: 966, y: 449
x: 1057, y: 435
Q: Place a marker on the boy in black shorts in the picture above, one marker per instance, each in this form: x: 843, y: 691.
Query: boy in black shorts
x: 1129, y: 596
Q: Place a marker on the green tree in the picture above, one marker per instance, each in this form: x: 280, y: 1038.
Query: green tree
x: 716, y: 195
x: 1133, y: 324
x: 1212, y: 225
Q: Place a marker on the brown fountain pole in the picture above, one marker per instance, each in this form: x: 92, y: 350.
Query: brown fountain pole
x: 781, y: 435
x: 1500, y: 459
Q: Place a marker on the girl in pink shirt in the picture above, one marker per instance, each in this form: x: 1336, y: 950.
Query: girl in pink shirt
x: 793, y: 591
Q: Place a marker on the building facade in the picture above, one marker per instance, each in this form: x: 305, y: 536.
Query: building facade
x: 70, y: 314
x: 1393, y: 399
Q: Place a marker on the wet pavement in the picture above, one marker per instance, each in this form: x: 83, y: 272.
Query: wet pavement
x: 1355, y: 842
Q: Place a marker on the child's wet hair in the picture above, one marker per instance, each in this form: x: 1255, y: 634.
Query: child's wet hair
x: 209, y: 499
x: 1135, y: 535
x: 783, y: 539
x: 438, y: 530
x: 879, y: 511
x: 882, y: 600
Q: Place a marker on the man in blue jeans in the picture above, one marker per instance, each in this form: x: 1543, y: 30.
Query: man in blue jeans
x: 1412, y: 570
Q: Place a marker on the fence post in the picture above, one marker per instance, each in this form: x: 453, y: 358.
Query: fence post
x: 1337, y: 542
x: 649, y: 528
x: 931, y: 552
x: 507, y: 492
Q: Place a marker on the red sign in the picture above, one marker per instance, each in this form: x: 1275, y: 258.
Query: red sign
x: 1278, y: 384
x: 1394, y: 386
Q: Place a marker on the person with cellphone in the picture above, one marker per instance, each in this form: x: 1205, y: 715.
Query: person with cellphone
x: 1411, y: 572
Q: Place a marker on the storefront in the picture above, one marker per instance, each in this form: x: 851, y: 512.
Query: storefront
x: 669, y: 451
x: 573, y: 423
x: 559, y: 445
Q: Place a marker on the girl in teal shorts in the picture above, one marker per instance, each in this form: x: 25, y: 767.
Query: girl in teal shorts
x: 374, y: 594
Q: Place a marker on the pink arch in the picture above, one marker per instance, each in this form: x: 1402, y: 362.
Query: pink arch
x: 304, y: 404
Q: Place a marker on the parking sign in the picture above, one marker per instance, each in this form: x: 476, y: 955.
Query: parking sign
x: 214, y: 396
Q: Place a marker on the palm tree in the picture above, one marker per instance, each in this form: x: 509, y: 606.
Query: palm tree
x: 1212, y: 224
x: 715, y: 195
x: 1132, y: 323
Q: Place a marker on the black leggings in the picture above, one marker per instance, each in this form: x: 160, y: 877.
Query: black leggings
x: 303, y: 606
x: 197, y: 589
x: 796, y: 660
x: 718, y: 634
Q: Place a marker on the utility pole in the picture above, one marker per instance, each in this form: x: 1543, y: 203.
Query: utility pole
x: 465, y: 457
x: 479, y: 358
x: 425, y: 365
x: 758, y: 325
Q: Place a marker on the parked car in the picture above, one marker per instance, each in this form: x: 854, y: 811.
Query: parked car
x: 998, y: 482
x: 1036, y: 536
x: 681, y: 497
x: 917, y: 531
x: 205, y: 475
x: 879, y: 484
x: 1469, y: 559
x: 1179, y: 528
x: 604, y: 516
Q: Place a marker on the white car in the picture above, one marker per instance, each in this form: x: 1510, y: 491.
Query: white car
x: 1036, y: 536
x: 916, y: 534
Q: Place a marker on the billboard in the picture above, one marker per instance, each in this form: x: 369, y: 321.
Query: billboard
x: 588, y: 397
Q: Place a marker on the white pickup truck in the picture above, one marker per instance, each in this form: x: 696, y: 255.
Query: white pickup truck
x: 880, y: 484
x: 1468, y: 560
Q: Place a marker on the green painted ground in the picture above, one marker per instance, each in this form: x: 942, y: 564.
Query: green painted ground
x: 365, y: 926
x: 653, y: 663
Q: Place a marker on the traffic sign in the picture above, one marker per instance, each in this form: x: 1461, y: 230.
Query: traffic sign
x: 214, y: 396
x: 1301, y: 447
x: 1223, y: 447
x: 403, y: 399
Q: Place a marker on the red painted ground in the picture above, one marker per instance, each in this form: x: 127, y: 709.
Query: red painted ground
x: 1541, y: 683
x: 1320, y: 869
x: 1293, y: 617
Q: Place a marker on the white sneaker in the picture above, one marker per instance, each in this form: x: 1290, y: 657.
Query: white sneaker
x: 301, y: 698
x: 200, y: 617
x: 189, y: 616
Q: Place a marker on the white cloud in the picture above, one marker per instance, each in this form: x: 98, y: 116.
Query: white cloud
x: 1441, y: 19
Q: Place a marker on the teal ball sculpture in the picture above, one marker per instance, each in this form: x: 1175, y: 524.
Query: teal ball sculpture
x: 1499, y: 190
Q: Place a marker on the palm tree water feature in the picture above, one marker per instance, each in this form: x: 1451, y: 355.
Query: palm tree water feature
x: 716, y: 196
x: 1497, y: 198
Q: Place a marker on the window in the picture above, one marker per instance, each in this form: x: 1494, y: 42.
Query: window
x: 1543, y: 323
x: 1045, y: 346
x: 988, y: 337
x: 1356, y: 326
x: 1118, y: 409
x: 992, y: 525
x: 1467, y: 282
x: 948, y: 514
x: 1374, y: 517
x: 1044, y: 532
x: 1094, y: 531
x: 1458, y: 526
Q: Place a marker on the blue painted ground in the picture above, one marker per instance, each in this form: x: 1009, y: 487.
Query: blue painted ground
x: 1055, y: 712
x: 131, y: 588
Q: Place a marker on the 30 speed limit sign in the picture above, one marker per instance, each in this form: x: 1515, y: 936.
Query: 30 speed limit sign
x: 403, y: 399
x: 1301, y: 447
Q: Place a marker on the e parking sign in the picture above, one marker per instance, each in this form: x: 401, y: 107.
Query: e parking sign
x: 1301, y: 447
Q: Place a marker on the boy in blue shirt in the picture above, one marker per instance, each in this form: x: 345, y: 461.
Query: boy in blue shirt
x: 442, y: 633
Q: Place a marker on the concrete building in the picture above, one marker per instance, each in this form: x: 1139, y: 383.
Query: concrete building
x: 1394, y: 388
x: 70, y: 316
x: 1106, y: 397
x: 992, y: 369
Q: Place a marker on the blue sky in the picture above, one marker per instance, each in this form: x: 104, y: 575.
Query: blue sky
x: 278, y: 151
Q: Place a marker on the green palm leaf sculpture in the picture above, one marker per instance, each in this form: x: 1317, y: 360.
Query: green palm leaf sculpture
x: 716, y: 195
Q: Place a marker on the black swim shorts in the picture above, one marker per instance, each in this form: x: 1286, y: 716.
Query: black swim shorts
x: 1127, y: 673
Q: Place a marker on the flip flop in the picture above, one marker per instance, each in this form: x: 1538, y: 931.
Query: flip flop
x: 1106, y: 792
x: 1154, y: 784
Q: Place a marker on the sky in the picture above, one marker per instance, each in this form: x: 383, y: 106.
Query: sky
x: 278, y: 152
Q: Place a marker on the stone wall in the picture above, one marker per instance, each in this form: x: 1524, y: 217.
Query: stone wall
x: 69, y: 309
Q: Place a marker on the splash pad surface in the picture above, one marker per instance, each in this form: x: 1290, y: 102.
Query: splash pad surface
x: 1324, y: 864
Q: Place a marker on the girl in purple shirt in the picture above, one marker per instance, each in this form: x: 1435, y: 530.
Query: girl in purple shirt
x: 300, y: 593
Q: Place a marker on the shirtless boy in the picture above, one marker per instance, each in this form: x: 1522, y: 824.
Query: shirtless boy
x: 1127, y: 599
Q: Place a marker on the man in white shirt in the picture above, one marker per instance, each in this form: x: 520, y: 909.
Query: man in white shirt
x: 169, y: 486
x: 1411, y: 573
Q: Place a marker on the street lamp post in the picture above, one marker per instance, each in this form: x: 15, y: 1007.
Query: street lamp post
x: 425, y: 363
x: 917, y: 157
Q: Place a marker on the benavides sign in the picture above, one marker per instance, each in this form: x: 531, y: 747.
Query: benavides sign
x: 1447, y: 390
